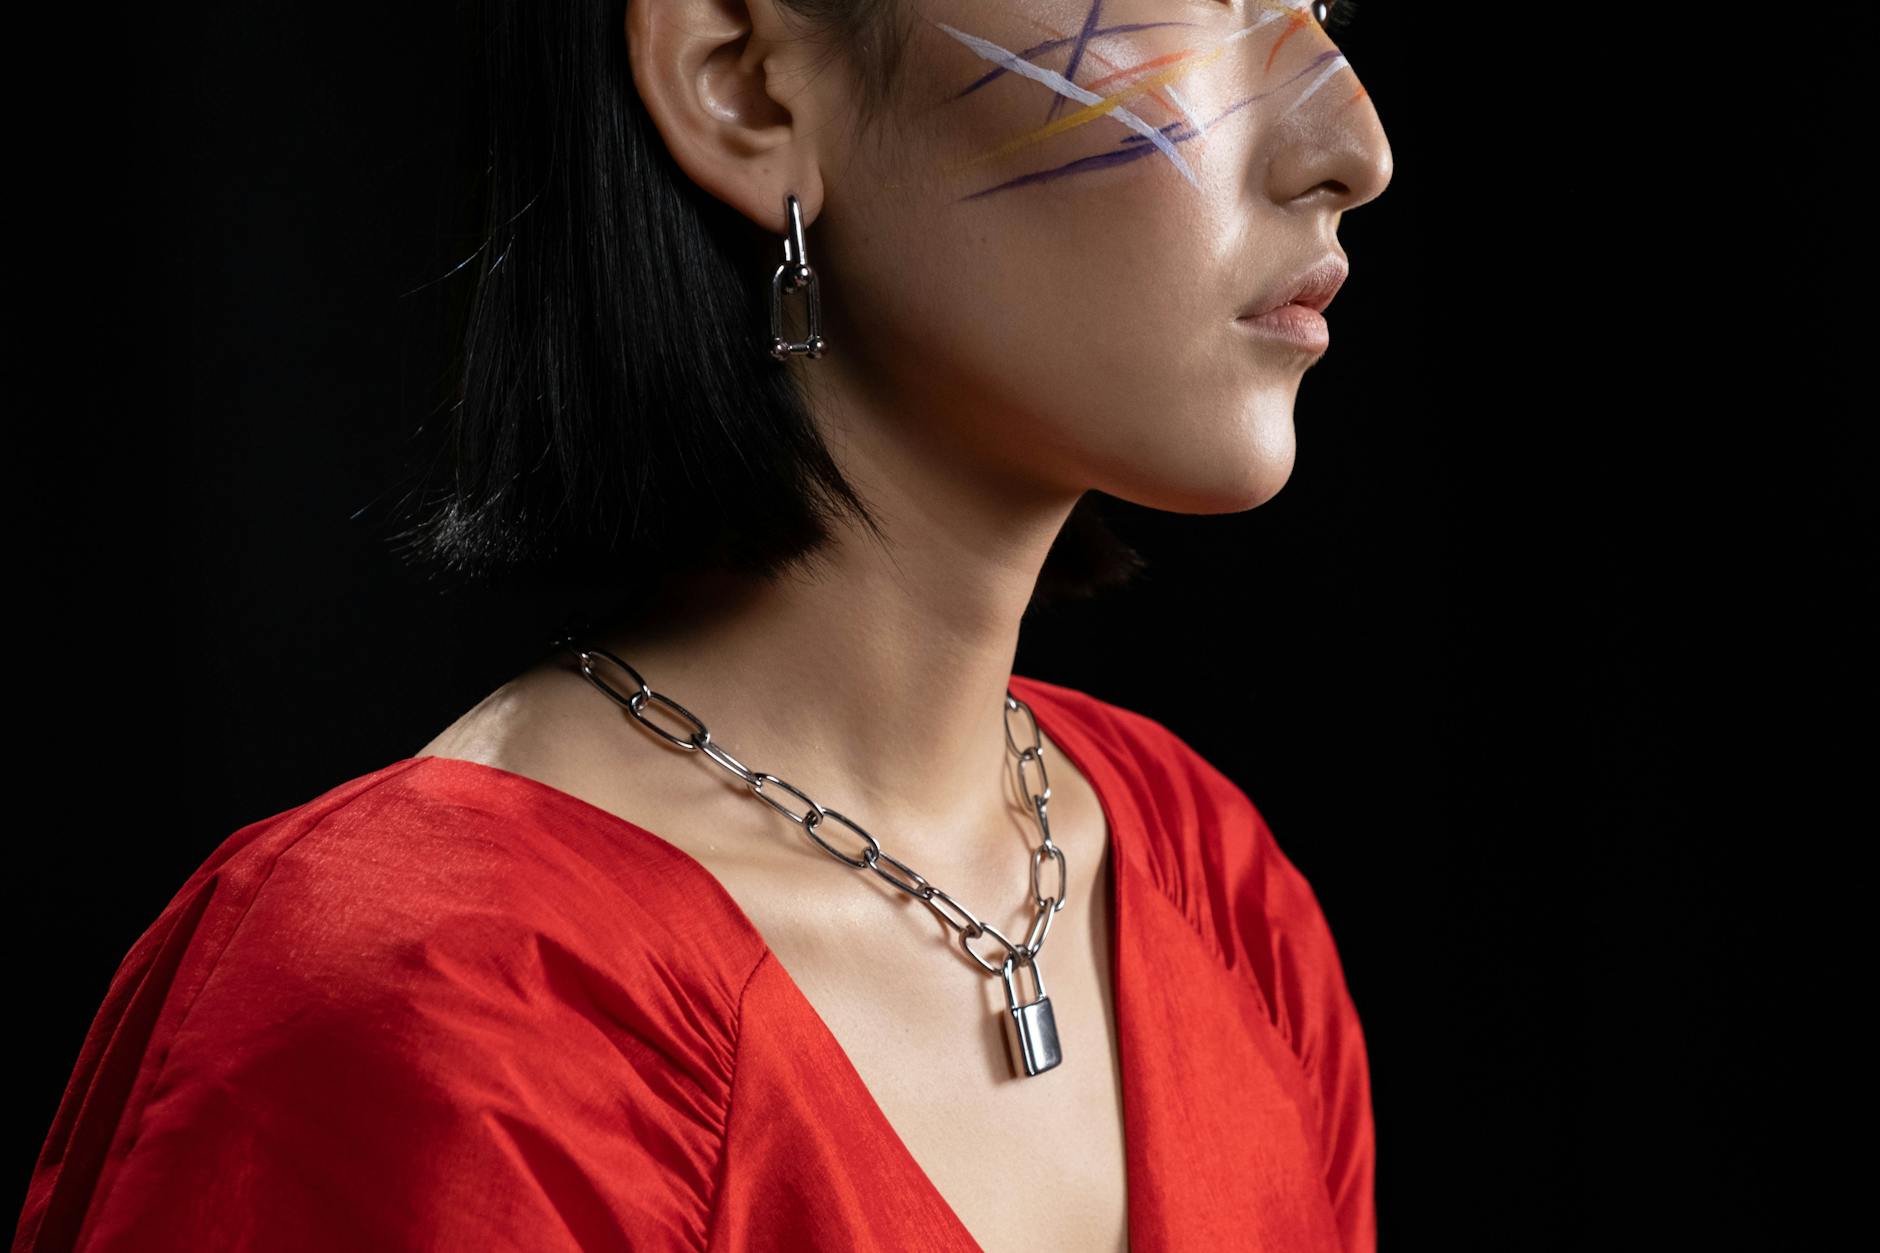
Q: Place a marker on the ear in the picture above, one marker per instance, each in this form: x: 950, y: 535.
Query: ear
x: 738, y: 100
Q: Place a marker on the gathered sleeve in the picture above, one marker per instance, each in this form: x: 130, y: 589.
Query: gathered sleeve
x: 1217, y: 860
x: 340, y: 1128
x: 398, y: 1032
x: 1321, y: 1023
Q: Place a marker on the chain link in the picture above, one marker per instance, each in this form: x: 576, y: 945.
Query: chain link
x: 968, y: 926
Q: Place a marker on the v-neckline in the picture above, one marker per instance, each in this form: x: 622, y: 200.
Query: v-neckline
x: 1082, y: 757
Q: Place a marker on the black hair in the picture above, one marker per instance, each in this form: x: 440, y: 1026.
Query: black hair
x: 612, y: 414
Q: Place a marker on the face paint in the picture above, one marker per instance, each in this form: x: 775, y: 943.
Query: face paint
x: 1154, y: 77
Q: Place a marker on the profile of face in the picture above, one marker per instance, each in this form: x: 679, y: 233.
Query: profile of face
x: 1035, y: 269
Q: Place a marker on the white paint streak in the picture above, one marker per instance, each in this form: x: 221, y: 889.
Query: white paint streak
x: 1188, y: 110
x: 1331, y: 68
x: 1065, y: 87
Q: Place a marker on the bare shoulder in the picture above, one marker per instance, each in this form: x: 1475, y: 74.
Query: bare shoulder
x: 537, y: 725
x: 545, y: 724
x: 490, y: 731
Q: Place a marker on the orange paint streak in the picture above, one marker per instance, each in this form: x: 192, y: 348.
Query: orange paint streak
x: 1091, y: 112
x: 1170, y: 59
x: 1186, y: 62
x: 1293, y: 24
x: 1091, y: 52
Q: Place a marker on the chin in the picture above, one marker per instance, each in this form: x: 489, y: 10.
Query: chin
x: 1231, y: 469
x: 1253, y: 491
x: 1230, y: 482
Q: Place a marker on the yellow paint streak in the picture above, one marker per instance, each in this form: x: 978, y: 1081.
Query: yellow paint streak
x: 1188, y: 63
x: 1090, y: 50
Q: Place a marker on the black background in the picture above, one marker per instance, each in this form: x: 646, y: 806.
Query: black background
x: 1539, y: 667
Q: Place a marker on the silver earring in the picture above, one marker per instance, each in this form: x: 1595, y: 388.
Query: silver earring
x: 793, y: 275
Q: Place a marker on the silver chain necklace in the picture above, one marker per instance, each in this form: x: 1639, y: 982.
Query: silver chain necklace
x: 1030, y: 1029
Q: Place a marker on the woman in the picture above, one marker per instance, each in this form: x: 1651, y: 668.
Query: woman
x: 559, y: 980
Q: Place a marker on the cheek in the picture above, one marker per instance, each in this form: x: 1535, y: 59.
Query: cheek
x: 1110, y: 195
x: 1029, y: 244
x: 1058, y: 284
x: 1031, y: 106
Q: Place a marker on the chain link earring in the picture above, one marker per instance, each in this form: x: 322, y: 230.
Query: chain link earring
x: 792, y: 276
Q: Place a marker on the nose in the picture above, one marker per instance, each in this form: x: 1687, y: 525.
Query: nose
x: 1327, y: 150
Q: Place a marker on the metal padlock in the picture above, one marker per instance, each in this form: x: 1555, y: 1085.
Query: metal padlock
x: 1030, y: 1030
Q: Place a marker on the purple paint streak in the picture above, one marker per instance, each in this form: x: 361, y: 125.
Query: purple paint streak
x: 1084, y: 36
x: 1037, y: 50
x: 1134, y: 147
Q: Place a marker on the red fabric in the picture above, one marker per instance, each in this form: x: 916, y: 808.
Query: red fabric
x: 446, y: 1006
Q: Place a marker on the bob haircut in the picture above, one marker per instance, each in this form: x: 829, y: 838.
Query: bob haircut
x: 614, y: 416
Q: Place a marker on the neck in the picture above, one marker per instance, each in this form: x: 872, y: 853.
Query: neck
x: 876, y: 685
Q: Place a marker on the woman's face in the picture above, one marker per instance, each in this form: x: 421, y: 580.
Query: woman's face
x: 1038, y: 261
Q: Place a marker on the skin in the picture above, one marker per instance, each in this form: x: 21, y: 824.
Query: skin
x: 997, y: 348
x: 972, y: 388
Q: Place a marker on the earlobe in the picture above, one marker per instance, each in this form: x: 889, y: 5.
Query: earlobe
x: 708, y: 74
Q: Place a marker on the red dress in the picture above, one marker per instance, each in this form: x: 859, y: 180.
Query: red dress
x: 444, y: 1006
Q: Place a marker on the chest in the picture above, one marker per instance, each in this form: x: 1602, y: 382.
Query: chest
x: 1024, y: 1162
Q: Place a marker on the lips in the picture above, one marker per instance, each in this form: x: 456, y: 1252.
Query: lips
x: 1313, y: 288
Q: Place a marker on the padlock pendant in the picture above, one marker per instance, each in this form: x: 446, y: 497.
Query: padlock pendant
x: 1030, y: 1030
